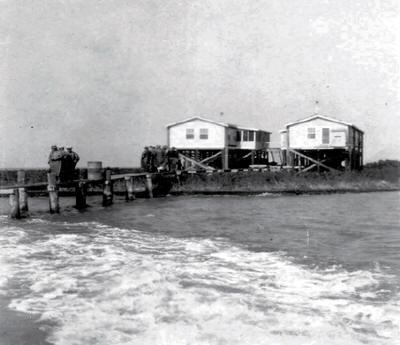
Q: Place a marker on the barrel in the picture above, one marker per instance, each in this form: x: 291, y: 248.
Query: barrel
x: 95, y: 171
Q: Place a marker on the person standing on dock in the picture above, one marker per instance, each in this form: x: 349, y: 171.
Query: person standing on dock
x: 70, y: 160
x: 173, y: 159
x: 159, y: 158
x: 75, y: 157
x: 55, y: 158
x: 64, y: 164
x: 153, y: 160
x: 164, y: 158
x: 144, y: 158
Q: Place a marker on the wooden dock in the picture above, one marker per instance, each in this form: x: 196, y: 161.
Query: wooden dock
x: 18, y: 197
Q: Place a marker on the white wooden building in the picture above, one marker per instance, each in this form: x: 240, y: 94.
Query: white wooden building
x: 336, y: 142
x: 201, y: 138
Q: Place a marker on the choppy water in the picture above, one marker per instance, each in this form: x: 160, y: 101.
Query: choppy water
x: 322, y: 269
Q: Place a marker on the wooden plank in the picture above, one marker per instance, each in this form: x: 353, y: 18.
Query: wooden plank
x: 6, y: 191
x: 247, y: 155
x: 312, y: 160
x: 310, y: 167
x: 122, y: 176
x: 206, y: 167
x: 25, y: 185
x: 211, y: 158
x: 44, y: 184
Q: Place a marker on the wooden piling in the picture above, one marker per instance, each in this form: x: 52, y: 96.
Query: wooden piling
x: 53, y: 193
x: 23, y: 196
x: 14, y: 204
x: 107, y: 189
x: 225, y: 158
x: 149, y: 186
x: 129, y: 194
x: 80, y: 195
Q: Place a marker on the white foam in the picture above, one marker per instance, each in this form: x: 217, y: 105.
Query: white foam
x: 119, y: 286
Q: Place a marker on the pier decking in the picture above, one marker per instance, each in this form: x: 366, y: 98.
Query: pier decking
x: 18, y: 198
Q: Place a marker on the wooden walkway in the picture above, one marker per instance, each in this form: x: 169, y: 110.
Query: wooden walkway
x: 18, y: 197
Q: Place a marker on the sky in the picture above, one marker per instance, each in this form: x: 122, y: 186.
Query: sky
x: 106, y: 76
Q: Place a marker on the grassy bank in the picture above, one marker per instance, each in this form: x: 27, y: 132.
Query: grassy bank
x: 370, y: 179
x: 378, y: 176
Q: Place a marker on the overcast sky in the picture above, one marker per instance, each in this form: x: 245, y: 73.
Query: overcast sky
x: 107, y: 76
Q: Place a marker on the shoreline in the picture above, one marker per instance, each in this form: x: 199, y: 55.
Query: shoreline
x: 230, y: 192
x: 372, y: 179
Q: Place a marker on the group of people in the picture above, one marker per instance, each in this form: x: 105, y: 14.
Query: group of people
x: 157, y: 159
x: 63, y: 162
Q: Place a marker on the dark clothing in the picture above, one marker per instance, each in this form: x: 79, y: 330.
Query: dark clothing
x: 153, y: 161
x: 143, y: 160
x: 68, y: 164
x: 70, y: 159
x: 159, y: 157
x: 74, y: 156
x: 173, y: 160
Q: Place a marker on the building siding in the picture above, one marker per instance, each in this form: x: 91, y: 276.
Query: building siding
x: 216, y: 135
x: 336, y: 135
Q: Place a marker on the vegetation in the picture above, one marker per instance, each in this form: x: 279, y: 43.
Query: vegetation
x: 377, y: 176
x: 372, y: 178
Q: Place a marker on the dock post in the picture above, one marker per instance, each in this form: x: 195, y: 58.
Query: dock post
x: 225, y: 158
x: 108, y: 189
x: 80, y: 195
x: 53, y: 193
x: 23, y: 196
x: 149, y: 186
x: 129, y: 194
x: 14, y: 204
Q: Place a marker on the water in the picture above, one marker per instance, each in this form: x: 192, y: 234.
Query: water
x: 322, y: 269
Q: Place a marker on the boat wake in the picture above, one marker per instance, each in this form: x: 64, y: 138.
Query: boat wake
x: 96, y: 284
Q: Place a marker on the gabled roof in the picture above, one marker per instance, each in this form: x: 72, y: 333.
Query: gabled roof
x: 197, y: 118
x: 310, y: 118
x: 230, y: 125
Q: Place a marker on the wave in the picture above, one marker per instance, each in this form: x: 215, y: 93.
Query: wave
x: 123, y: 286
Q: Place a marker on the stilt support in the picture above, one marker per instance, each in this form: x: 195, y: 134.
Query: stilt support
x: 149, y: 186
x: 23, y: 196
x: 80, y: 194
x: 14, y: 204
x: 129, y: 194
x: 107, y: 189
x: 53, y: 193
x: 225, y: 158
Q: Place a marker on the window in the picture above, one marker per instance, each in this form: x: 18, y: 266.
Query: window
x: 311, y: 133
x: 189, y: 133
x: 248, y: 135
x: 203, y: 133
x: 238, y: 136
x: 251, y: 135
x: 325, y: 135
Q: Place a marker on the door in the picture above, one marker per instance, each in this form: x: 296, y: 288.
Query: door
x: 325, y: 135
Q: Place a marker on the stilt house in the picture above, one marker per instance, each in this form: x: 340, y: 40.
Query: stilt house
x: 209, y: 144
x: 320, y: 141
